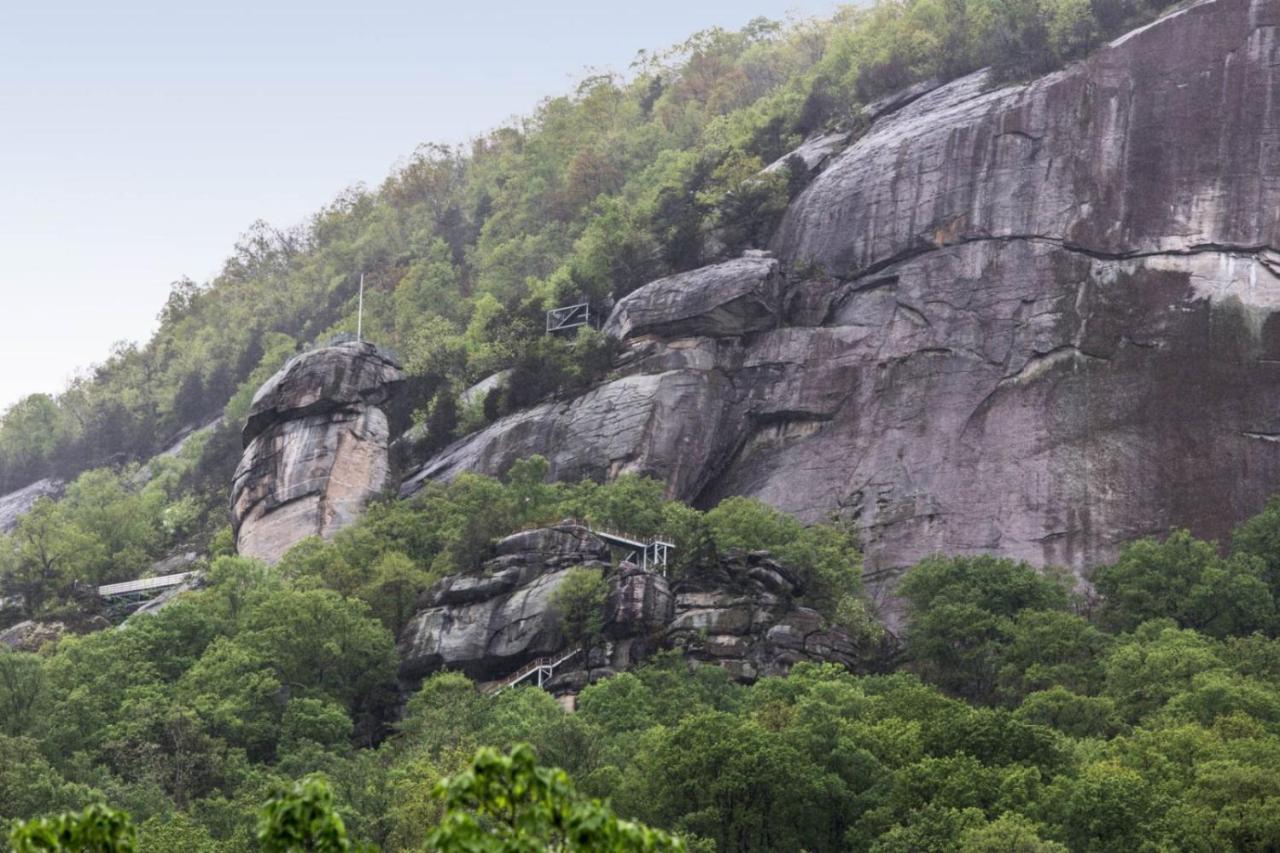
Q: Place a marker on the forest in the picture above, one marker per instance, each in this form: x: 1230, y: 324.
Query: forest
x: 1016, y: 711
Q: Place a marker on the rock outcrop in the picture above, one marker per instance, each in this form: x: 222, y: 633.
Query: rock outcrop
x: 722, y: 301
x: 741, y: 614
x: 31, y: 636
x: 17, y: 504
x: 315, y: 448
x: 1037, y: 319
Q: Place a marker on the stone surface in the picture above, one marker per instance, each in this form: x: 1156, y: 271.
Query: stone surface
x: 315, y: 449
x: 895, y: 101
x: 663, y: 425
x: 739, y: 614
x: 1038, y: 320
x: 476, y: 394
x: 31, y: 636
x: 726, y: 300
x: 813, y: 154
x: 639, y: 602
x: 17, y: 504
x: 330, y: 379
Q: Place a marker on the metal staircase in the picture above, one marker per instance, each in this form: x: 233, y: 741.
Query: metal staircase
x: 540, y: 669
x: 648, y: 554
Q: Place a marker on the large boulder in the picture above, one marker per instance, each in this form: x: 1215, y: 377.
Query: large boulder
x: 663, y: 425
x: 31, y: 636
x: 639, y: 602
x: 315, y: 448
x: 490, y: 622
x: 726, y: 300
x: 338, y: 378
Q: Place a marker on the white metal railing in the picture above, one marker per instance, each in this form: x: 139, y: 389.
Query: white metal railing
x: 113, y: 590
x: 568, y: 317
x: 541, y: 668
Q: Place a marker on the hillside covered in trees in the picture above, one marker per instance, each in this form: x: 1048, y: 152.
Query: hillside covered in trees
x: 596, y: 193
x: 1017, y: 709
x: 1015, y: 714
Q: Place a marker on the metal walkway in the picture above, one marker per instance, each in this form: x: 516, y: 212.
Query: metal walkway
x: 540, y: 669
x: 120, y: 590
x: 652, y: 553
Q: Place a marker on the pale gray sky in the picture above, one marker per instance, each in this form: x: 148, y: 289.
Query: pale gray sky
x: 139, y: 139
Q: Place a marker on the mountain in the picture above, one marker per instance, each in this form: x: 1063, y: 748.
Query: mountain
x: 1032, y: 319
x: 848, y: 435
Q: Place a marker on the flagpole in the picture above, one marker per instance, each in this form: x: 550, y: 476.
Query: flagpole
x: 360, y: 313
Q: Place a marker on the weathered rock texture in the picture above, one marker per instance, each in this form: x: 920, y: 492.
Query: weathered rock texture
x: 31, y: 636
x: 489, y: 624
x: 726, y: 300
x: 315, y: 448
x: 17, y: 504
x: 742, y: 615
x: 1038, y: 319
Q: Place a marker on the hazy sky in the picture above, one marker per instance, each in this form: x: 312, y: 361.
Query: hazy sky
x: 138, y: 140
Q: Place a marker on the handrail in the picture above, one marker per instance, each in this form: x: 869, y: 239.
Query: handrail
x: 547, y: 662
x: 142, y: 585
x: 656, y: 545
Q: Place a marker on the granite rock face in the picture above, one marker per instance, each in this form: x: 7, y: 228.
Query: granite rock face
x: 315, y: 448
x: 17, y: 504
x: 1038, y: 320
x: 490, y: 623
x: 31, y: 636
x: 726, y: 300
x: 658, y: 424
x: 741, y: 614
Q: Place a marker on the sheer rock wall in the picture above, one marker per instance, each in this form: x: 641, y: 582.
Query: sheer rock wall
x: 1036, y: 319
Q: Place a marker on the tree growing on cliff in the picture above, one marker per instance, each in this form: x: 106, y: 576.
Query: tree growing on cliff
x: 580, y: 600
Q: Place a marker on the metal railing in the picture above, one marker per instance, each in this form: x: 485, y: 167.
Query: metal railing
x: 113, y: 590
x: 568, y: 317
x: 543, y: 668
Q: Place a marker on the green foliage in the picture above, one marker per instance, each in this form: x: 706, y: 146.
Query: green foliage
x: 301, y: 817
x: 1187, y: 580
x: 826, y: 556
x: 509, y: 803
x: 24, y: 693
x: 97, y: 829
x: 969, y: 615
x: 579, y: 600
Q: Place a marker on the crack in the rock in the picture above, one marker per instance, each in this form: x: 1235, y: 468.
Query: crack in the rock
x: 1257, y: 252
x: 1022, y: 134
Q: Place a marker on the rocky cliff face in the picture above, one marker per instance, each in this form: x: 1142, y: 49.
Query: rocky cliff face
x: 315, y: 448
x: 1037, y: 319
x: 17, y: 504
x: 740, y: 614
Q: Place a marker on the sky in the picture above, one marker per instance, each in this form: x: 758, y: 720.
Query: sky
x: 138, y: 140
